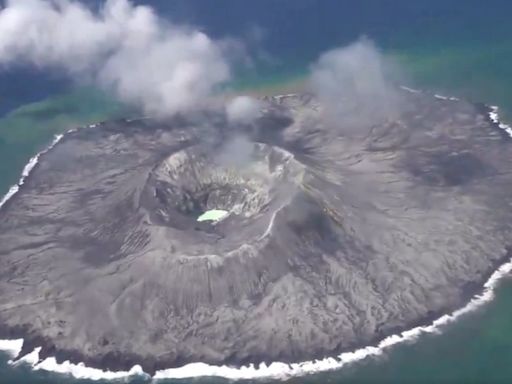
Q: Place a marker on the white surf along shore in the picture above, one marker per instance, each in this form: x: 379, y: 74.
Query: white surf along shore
x: 275, y: 370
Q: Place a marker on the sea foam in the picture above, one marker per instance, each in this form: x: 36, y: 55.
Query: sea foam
x: 275, y: 370
x: 495, y: 118
x: 79, y: 371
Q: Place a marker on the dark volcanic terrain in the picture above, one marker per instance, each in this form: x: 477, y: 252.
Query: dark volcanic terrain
x: 335, y: 236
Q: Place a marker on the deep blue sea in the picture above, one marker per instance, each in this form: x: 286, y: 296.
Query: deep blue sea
x: 455, y: 47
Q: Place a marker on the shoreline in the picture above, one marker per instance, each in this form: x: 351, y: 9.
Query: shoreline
x: 477, y: 295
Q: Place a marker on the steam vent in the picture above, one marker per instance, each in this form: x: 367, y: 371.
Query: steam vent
x: 289, y: 239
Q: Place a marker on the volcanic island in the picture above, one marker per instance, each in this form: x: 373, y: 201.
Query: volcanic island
x: 142, y: 242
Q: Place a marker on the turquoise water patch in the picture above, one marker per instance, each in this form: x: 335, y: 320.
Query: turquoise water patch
x: 213, y: 215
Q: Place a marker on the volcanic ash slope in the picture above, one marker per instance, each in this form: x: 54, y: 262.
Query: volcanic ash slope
x: 334, y: 237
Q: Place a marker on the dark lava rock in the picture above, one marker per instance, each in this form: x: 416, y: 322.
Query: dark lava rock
x: 335, y: 236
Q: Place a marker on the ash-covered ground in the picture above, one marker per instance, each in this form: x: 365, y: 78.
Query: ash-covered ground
x: 335, y: 237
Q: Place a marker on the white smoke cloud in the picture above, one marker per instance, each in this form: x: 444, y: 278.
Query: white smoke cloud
x: 160, y: 67
x: 353, y: 83
x: 243, y: 109
x: 236, y: 152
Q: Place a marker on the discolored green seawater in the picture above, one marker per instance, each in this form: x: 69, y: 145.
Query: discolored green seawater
x: 28, y: 129
x: 213, y: 215
x: 461, y: 48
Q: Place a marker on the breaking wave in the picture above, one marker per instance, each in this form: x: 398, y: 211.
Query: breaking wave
x: 276, y: 370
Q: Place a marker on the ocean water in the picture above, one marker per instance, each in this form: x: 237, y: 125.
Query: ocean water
x: 461, y: 48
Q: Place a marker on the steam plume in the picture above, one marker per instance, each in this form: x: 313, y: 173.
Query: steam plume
x: 243, y: 109
x: 160, y: 67
x: 353, y: 83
